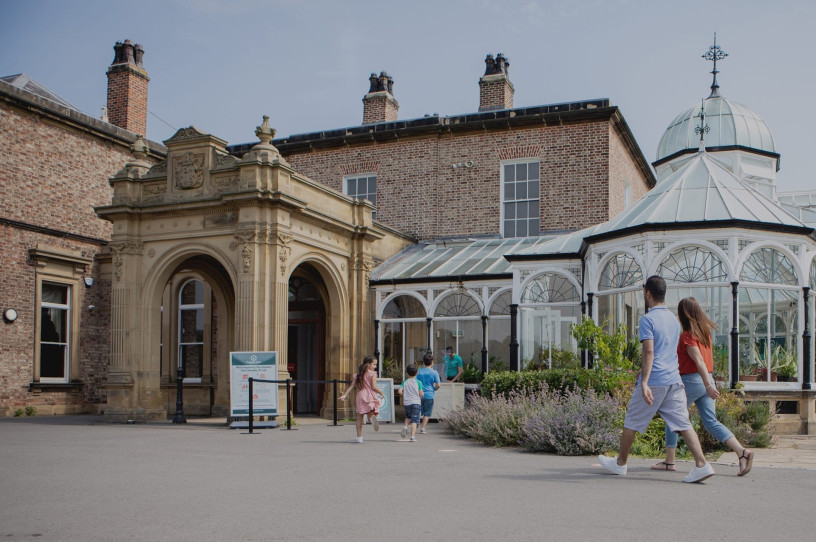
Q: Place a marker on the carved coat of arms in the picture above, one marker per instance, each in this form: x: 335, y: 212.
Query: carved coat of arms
x: 189, y: 171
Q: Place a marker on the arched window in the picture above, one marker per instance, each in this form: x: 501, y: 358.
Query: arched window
x: 501, y: 305
x: 457, y: 305
x: 498, y: 332
x: 550, y: 288
x: 770, y: 306
x: 813, y: 277
x: 550, y: 305
x: 191, y: 329
x: 620, y: 271
x: 403, y: 306
x: 692, y: 264
x: 301, y: 289
x: 770, y: 266
x: 404, y: 336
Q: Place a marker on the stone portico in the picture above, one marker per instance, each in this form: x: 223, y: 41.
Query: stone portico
x: 241, y: 229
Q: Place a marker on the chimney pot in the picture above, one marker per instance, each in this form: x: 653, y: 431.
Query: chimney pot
x: 379, y: 104
x: 495, y: 89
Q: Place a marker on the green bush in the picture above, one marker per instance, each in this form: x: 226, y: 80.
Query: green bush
x: 471, y: 374
x: 529, y: 382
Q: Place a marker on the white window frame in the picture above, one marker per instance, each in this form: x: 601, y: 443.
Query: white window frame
x: 502, y: 200
x: 356, y: 176
x: 190, y: 306
x: 66, y: 367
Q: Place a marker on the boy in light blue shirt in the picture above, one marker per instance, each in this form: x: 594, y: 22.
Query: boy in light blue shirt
x: 411, y: 391
x: 429, y: 379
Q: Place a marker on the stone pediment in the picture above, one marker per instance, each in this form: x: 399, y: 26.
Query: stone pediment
x: 185, y: 134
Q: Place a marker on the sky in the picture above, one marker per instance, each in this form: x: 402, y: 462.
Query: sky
x: 220, y: 65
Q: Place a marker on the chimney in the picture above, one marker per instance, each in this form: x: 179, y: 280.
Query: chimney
x: 127, y: 88
x: 379, y: 104
x: 495, y: 89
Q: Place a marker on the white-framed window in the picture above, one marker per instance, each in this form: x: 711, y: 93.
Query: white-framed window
x: 57, y: 297
x: 191, y: 330
x: 520, y: 180
x: 362, y: 186
x: 55, y: 332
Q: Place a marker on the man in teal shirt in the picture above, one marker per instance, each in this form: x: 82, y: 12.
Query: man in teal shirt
x: 453, y: 365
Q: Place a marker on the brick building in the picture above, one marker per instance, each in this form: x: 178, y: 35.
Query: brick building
x: 150, y: 257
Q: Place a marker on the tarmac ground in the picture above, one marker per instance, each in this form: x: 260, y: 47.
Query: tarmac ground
x: 77, y: 478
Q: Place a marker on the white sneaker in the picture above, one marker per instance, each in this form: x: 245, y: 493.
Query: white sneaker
x: 358, y: 440
x: 422, y: 431
x: 404, y: 431
x: 698, y: 474
x: 412, y: 439
x: 376, y: 423
x: 611, y: 464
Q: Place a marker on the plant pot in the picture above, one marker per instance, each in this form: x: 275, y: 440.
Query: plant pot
x: 748, y: 378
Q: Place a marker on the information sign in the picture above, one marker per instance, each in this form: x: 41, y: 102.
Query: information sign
x: 262, y: 365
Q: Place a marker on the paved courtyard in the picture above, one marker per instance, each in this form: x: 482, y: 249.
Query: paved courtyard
x: 79, y: 479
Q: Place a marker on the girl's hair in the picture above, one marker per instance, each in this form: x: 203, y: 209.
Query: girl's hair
x: 694, y: 320
x: 358, y: 382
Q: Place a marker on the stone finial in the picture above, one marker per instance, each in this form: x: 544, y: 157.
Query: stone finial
x: 499, y: 65
x: 264, y: 132
x: 140, y: 148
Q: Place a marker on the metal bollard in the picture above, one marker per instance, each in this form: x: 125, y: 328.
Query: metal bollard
x: 288, y: 410
x: 250, y: 406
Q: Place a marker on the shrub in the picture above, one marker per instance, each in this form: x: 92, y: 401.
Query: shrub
x: 19, y: 413
x: 610, y: 351
x: 30, y: 411
x: 471, y: 374
x: 573, y: 423
x: 497, y: 421
x: 529, y: 382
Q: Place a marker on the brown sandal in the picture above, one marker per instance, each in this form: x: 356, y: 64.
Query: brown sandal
x: 749, y: 460
x: 664, y: 466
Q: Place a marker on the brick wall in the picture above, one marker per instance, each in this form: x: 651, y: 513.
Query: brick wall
x: 418, y: 191
x: 622, y: 168
x: 51, y: 180
x: 127, y: 97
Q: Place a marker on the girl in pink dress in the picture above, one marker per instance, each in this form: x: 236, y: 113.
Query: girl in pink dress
x: 365, y: 381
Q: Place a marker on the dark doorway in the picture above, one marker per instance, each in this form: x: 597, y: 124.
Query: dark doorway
x: 305, y: 344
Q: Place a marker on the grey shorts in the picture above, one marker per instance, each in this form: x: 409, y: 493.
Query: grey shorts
x: 669, y: 402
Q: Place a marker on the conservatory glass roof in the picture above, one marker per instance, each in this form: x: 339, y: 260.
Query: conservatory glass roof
x: 454, y: 258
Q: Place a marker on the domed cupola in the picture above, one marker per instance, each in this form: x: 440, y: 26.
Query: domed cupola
x: 738, y: 136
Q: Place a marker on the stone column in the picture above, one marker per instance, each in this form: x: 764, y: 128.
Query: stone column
x: 133, y: 387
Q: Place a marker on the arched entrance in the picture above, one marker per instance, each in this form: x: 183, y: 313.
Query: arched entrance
x: 306, y: 344
x: 196, y: 323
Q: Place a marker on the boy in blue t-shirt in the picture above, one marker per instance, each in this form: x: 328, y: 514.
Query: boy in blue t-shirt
x: 411, y: 391
x: 429, y: 379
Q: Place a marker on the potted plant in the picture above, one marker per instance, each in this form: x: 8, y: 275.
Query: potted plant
x: 784, y: 363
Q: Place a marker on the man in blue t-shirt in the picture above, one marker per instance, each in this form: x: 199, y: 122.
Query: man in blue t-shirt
x: 430, y: 383
x: 659, y: 388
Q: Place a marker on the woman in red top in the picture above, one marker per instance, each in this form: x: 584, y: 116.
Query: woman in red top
x: 696, y: 368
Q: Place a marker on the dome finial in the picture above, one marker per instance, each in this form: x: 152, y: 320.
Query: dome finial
x: 714, y: 54
x: 702, y: 128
